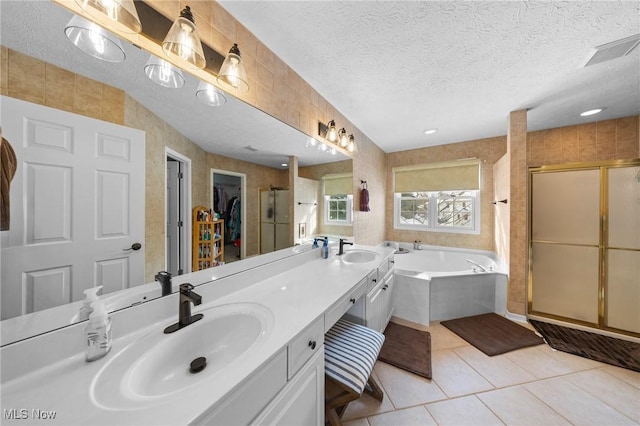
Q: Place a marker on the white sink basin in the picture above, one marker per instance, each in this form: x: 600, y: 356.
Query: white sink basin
x: 360, y: 256
x: 152, y: 368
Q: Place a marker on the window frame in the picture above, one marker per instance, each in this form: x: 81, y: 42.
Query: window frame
x: 432, y: 220
x: 349, y: 210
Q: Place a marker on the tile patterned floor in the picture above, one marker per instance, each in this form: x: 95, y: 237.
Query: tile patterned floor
x: 532, y: 386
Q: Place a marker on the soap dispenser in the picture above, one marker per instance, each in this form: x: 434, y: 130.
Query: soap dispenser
x: 324, y: 253
x: 90, y: 296
x: 315, y: 243
x: 98, y: 332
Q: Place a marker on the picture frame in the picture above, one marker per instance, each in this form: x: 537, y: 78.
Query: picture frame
x: 302, y: 230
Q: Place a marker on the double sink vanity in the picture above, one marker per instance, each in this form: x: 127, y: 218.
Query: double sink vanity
x: 255, y: 357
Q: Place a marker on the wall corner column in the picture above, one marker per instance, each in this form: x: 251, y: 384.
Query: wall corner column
x: 517, y: 153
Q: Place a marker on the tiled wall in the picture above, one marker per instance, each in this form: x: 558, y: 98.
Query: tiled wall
x: 33, y: 80
x: 488, y: 151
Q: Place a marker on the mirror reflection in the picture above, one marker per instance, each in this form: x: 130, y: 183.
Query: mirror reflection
x: 177, y: 150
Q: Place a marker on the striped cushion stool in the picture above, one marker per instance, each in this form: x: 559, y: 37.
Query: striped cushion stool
x: 350, y: 351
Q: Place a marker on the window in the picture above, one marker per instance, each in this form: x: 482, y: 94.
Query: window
x: 440, y: 211
x: 337, y: 209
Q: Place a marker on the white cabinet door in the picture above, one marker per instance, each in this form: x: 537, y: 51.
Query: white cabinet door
x: 302, y: 400
x: 375, y: 308
x: 387, y: 289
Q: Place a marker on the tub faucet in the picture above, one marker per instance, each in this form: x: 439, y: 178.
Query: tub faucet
x: 186, y: 298
x: 477, y: 265
x: 342, y: 244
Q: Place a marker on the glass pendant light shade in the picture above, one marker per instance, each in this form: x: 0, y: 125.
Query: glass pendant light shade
x: 232, y: 72
x: 352, y: 144
x: 163, y: 73
x: 342, y: 137
x: 182, y: 42
x: 123, y: 13
x: 94, y: 40
x: 332, y: 133
x: 210, y: 95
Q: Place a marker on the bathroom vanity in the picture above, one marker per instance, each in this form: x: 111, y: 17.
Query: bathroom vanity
x: 262, y: 334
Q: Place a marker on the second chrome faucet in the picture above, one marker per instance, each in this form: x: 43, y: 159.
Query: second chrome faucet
x: 187, y: 297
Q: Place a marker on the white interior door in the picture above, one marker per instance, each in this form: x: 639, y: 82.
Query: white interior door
x: 173, y: 218
x: 77, y: 207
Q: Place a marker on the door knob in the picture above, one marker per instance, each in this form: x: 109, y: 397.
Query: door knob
x: 134, y: 247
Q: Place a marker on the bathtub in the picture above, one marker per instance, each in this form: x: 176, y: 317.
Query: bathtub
x: 441, y: 283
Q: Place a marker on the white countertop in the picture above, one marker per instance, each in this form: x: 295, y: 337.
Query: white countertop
x: 296, y: 296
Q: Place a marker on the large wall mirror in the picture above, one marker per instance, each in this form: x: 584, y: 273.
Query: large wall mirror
x: 234, y: 137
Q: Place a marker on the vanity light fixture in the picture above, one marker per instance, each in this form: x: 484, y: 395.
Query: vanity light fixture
x: 210, y: 95
x: 94, y: 40
x: 592, y: 111
x: 121, y: 13
x: 328, y: 131
x: 163, y: 73
x: 430, y: 131
x: 182, y: 42
x: 343, y: 138
x: 352, y: 144
x: 232, y: 72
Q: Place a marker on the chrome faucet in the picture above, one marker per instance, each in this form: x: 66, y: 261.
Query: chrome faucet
x: 342, y: 244
x: 187, y: 297
x: 477, y: 264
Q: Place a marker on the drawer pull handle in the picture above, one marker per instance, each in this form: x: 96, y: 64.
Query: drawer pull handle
x: 312, y: 344
x: 392, y: 261
x: 352, y: 300
x: 385, y: 287
x: 374, y: 280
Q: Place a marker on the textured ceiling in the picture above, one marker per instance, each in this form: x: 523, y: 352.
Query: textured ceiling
x: 396, y: 68
x: 36, y: 28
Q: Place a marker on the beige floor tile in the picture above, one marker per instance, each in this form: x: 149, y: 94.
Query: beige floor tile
x: 357, y: 422
x: 575, y: 362
x: 454, y: 376
x: 499, y: 370
x: 611, y: 390
x: 517, y: 406
x: 414, y: 416
x: 443, y: 338
x: 574, y: 404
x: 624, y: 374
x: 405, y: 389
x: 467, y: 410
x: 538, y: 363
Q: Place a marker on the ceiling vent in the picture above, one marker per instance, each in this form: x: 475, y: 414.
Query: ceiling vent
x: 250, y: 148
x: 613, y: 50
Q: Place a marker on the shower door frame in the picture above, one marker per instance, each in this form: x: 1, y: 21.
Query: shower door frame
x: 603, y: 246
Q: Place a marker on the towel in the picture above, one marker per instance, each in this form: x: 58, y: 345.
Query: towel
x: 364, y: 199
x: 9, y: 165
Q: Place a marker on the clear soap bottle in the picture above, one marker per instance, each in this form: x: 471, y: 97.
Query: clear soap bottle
x: 91, y: 295
x: 98, y: 332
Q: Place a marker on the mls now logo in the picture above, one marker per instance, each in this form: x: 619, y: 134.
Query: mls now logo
x: 23, y: 413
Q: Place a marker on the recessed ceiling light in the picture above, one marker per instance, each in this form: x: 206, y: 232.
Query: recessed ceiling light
x: 430, y: 131
x: 284, y: 165
x: 592, y: 111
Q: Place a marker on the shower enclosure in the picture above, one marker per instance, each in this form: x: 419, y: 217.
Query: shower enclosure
x: 274, y: 220
x: 584, y: 245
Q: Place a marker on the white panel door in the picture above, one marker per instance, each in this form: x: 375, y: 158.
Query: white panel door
x: 77, y: 202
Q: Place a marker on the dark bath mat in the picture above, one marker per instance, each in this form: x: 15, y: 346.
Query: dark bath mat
x: 492, y: 333
x: 408, y: 349
x: 597, y: 347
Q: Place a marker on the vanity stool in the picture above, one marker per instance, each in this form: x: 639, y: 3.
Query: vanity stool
x: 350, y: 351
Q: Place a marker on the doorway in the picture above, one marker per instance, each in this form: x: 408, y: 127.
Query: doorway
x: 228, y: 198
x: 178, y: 206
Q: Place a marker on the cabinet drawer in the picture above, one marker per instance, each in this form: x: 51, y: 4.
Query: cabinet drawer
x: 372, y: 280
x: 305, y: 345
x: 343, y: 305
x: 383, y: 269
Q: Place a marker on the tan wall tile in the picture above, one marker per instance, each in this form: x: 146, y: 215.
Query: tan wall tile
x: 26, y: 79
x: 59, y: 88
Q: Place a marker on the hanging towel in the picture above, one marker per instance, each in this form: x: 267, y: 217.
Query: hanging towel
x: 364, y: 198
x: 9, y: 166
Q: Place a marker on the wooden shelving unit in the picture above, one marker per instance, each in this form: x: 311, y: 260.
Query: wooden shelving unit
x: 208, y: 239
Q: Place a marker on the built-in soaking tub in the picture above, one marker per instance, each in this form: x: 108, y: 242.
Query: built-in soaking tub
x: 440, y: 283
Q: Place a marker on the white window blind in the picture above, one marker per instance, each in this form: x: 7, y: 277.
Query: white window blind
x: 446, y: 176
x: 338, y: 184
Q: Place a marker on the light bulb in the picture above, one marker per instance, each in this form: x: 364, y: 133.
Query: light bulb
x: 332, y: 134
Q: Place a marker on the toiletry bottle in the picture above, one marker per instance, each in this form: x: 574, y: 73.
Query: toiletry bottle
x: 315, y: 243
x: 325, y: 249
x: 91, y: 295
x: 98, y: 332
